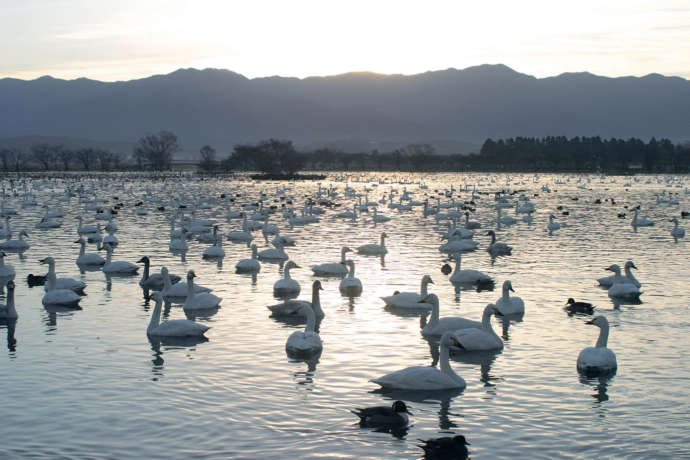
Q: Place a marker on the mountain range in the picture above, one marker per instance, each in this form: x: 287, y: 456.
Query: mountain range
x: 454, y: 110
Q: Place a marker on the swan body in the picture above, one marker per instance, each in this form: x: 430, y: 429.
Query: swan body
x: 439, y: 326
x: 677, y: 232
x: 607, y: 281
x: 286, y: 285
x: 425, y: 377
x: 553, y: 225
x: 174, y: 327
x: 291, y: 307
x: 54, y: 296
x: 6, y: 270
x: 458, y: 244
x: 86, y: 229
x: 17, y: 244
x: 481, y: 339
x: 471, y: 225
x: 249, y: 265
x: 8, y: 311
x: 469, y: 276
x: 241, y: 236
x: 47, y: 223
x: 350, y: 286
x: 118, y: 267
x: 60, y: 283
x: 396, y: 415
x: 179, y: 243
x: 620, y: 288
x: 216, y: 251
x: 277, y: 253
x: 179, y: 289
x: 641, y: 221
x: 307, y: 341
x: 85, y: 258
x: 410, y: 300
x: 599, y: 358
x: 201, y: 301
x: 497, y: 248
x: 334, y: 268
x: 508, y: 305
x: 374, y: 249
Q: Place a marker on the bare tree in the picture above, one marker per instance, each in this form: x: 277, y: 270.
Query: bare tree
x: 86, y: 157
x: 208, y: 158
x: 65, y: 156
x: 157, y: 150
x: 45, y: 155
x: 106, y: 159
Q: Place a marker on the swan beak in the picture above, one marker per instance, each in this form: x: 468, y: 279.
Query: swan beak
x: 140, y: 261
x: 77, y: 242
x: 633, y: 266
x: 297, y: 266
x: 511, y: 289
x: 42, y: 261
x: 589, y: 322
x: 455, y: 342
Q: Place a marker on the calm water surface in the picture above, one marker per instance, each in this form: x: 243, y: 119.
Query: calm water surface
x: 88, y: 383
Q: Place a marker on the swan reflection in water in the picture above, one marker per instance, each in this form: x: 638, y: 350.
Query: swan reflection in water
x: 53, y: 311
x: 482, y: 358
x: 599, y: 383
x: 506, y: 321
x: 11, y: 325
x: 170, y: 343
x: 305, y: 378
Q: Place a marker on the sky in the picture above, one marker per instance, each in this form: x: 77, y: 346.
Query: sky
x: 127, y: 39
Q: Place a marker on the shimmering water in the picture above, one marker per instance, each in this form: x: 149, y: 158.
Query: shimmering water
x: 88, y: 383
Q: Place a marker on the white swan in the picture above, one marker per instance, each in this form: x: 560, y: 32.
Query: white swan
x: 64, y: 297
x: 598, y: 359
x: 155, y: 281
x: 508, y: 305
x: 8, y: 311
x: 438, y: 326
x: 607, y: 281
x: 333, y: 268
x: 425, y: 377
x: 374, y: 249
x: 379, y: 218
x: 640, y: 221
x: 471, y: 225
x: 481, y: 339
x: 118, y: 267
x: 291, y: 307
x: 6, y: 270
x: 468, y: 276
x: 241, y: 236
x: 504, y: 220
x: 350, y: 286
x: 677, y: 232
x: 17, y: 244
x: 307, y: 342
x: 277, y: 253
x: 85, y: 229
x: 198, y: 301
x: 456, y: 243
x: 88, y: 258
x: 179, y: 243
x: 111, y: 239
x: 173, y: 327
x: 60, y: 283
x: 216, y: 251
x: 287, y: 286
x: 249, y: 265
x: 553, y: 225
x: 621, y: 289
x: 410, y: 300
x: 179, y: 289
x: 497, y: 248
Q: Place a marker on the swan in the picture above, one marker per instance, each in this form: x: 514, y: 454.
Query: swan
x: 179, y: 289
x: 9, y: 311
x: 508, y: 305
x: 350, y: 286
x: 425, y: 377
x: 334, y: 268
x: 64, y: 297
x: 17, y: 244
x: 284, y: 240
x: 497, y: 249
x: 180, y: 243
x: 467, y: 276
x: 208, y: 237
x: 90, y: 258
x: 60, y: 283
x: 552, y: 224
x: 198, y: 301
x: 598, y: 359
x: 216, y: 251
x: 287, y: 286
x: 349, y: 214
x: 241, y: 236
x: 45, y: 222
x: 677, y: 232
x: 6, y: 270
x: 277, y: 253
x: 249, y: 265
x: 471, y: 225
x: 456, y: 244
x: 620, y: 288
x: 119, y: 267
x: 291, y: 307
x: 307, y: 342
x: 607, y: 281
x: 438, y: 326
x: 85, y: 229
x: 173, y: 327
x: 111, y: 239
x: 481, y: 339
x: 505, y: 220
x: 396, y: 415
x: 640, y: 221
x: 379, y: 218
x: 374, y: 249
x: 155, y: 281
x: 446, y: 447
x: 410, y: 300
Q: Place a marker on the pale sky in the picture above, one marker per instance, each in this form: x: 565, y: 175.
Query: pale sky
x: 126, y: 39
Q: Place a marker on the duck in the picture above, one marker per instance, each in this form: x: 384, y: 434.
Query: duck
x: 438, y: 326
x: 60, y: 283
x: 446, y: 269
x: 291, y: 307
x: 419, y: 378
x: 287, y: 286
x: 6, y: 270
x: 497, y: 249
x: 350, y: 286
x: 579, y: 307
x: 251, y: 265
x: 480, y: 339
x: 155, y: 281
x: 18, y: 244
x: 119, y: 267
x: 599, y: 358
x: 305, y: 342
x: 374, y: 249
x: 333, y: 268
x: 276, y: 253
x: 36, y: 280
x: 677, y: 232
x: 9, y: 311
x: 445, y: 448
x: 553, y: 225
x: 179, y: 289
x: 216, y: 251
x: 173, y: 327
x: 91, y: 258
x: 468, y: 276
x: 199, y: 301
x: 410, y: 300
x: 621, y: 289
x: 377, y: 416
x: 607, y: 281
x: 508, y: 305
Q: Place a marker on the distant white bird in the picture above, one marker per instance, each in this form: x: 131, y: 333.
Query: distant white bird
x: 677, y: 232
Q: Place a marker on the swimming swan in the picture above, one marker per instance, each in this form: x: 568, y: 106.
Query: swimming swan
x: 287, y: 286
x: 60, y: 283
x: 607, y: 281
x: 179, y: 289
x: 85, y: 258
x: 249, y: 265
x: 173, y: 327
x: 410, y: 300
x: 307, y: 342
x: 438, y: 326
x: 155, y: 281
x: 198, y: 301
x: 334, y: 268
x: 480, y: 339
x: 6, y: 270
x: 508, y: 305
x: 374, y: 249
x: 119, y: 267
x: 497, y: 249
x: 598, y: 359
x: 467, y: 276
x: 620, y: 288
x: 350, y: 286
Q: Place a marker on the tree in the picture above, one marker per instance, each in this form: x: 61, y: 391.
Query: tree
x: 208, y: 158
x: 156, y: 150
x: 270, y: 157
x: 65, y: 156
x: 86, y: 156
x: 45, y: 154
x: 12, y: 159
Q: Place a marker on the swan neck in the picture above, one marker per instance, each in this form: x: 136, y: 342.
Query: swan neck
x: 457, y: 264
x: 603, y: 339
x: 444, y: 359
x: 486, y: 322
x: 190, y: 287
x: 166, y: 281
x: 11, y: 310
x: 156, y: 315
x: 311, y: 320
x: 434, y: 312
x: 342, y: 255
x: 506, y: 293
x: 352, y: 271
x: 146, y: 271
x: 82, y: 248
x: 423, y: 291
x: 286, y: 272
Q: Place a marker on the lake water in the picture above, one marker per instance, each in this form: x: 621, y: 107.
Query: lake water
x: 88, y: 383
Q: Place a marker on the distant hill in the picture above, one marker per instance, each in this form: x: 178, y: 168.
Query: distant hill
x: 454, y: 110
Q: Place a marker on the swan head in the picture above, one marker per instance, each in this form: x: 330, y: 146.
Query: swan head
x: 630, y: 264
x: 191, y: 275
x: 144, y: 260
x: 508, y: 285
x: 599, y: 321
x: 316, y: 285
x: 47, y: 260
x: 164, y: 270
x: 291, y: 264
x: 384, y: 235
x: 399, y: 406
x: 10, y: 285
x: 23, y: 232
x: 427, y: 279
x: 490, y: 233
x: 614, y: 268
